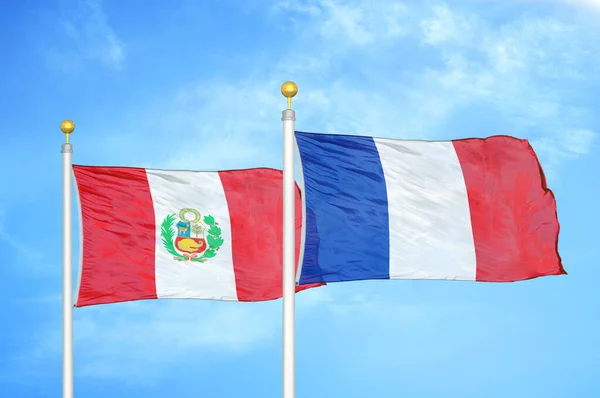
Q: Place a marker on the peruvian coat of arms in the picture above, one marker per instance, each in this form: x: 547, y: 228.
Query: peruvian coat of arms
x: 192, y: 237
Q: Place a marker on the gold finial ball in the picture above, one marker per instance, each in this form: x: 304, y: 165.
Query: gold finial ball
x: 67, y: 126
x: 289, y: 89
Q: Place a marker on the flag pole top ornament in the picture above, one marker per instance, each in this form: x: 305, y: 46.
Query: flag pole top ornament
x: 289, y: 90
x: 67, y: 127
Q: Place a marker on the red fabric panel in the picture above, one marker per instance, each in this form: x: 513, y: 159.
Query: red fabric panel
x: 257, y: 231
x: 513, y: 213
x: 119, y: 235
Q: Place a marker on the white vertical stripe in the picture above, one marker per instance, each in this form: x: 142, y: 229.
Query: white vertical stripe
x: 203, y: 191
x: 430, y: 222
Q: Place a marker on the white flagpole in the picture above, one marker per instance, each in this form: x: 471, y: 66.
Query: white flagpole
x: 289, y: 90
x: 67, y: 127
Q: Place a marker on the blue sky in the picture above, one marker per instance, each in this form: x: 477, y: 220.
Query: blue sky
x: 195, y: 84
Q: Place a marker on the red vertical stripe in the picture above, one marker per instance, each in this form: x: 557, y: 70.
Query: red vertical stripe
x: 255, y: 201
x: 513, y: 213
x: 119, y: 234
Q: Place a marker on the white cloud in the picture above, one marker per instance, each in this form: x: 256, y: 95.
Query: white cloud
x: 584, y: 5
x: 520, y: 70
x: 24, y: 251
x: 89, y: 36
x: 349, y: 23
x: 356, y: 82
x: 593, y: 5
x: 447, y: 27
x: 578, y: 142
x: 138, y: 341
x: 561, y: 146
x: 209, y: 126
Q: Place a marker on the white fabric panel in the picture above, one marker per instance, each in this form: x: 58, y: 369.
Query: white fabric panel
x: 430, y: 223
x: 203, y: 191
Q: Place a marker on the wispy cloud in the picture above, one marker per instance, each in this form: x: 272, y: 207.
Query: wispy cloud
x: 200, y: 125
x: 350, y: 23
x: 88, y: 36
x: 593, y: 5
x: 563, y: 146
x: 524, y: 73
x: 25, y: 252
x: 152, y: 337
x: 140, y: 340
x: 445, y: 26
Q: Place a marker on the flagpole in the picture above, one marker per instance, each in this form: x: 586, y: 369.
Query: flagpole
x: 289, y: 90
x: 67, y: 127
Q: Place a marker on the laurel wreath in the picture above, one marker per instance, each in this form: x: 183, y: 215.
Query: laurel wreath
x: 213, y: 238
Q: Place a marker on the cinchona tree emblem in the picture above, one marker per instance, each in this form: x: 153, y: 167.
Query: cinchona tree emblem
x: 191, y: 237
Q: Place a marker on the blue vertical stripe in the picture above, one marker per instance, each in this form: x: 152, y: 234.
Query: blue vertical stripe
x: 347, y: 223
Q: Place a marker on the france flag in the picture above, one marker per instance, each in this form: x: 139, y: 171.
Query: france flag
x: 472, y: 209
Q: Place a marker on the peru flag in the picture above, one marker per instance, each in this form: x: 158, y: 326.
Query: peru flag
x: 148, y: 234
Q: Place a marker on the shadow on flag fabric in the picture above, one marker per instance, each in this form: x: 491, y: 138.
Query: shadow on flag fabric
x: 148, y: 234
x: 470, y: 209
